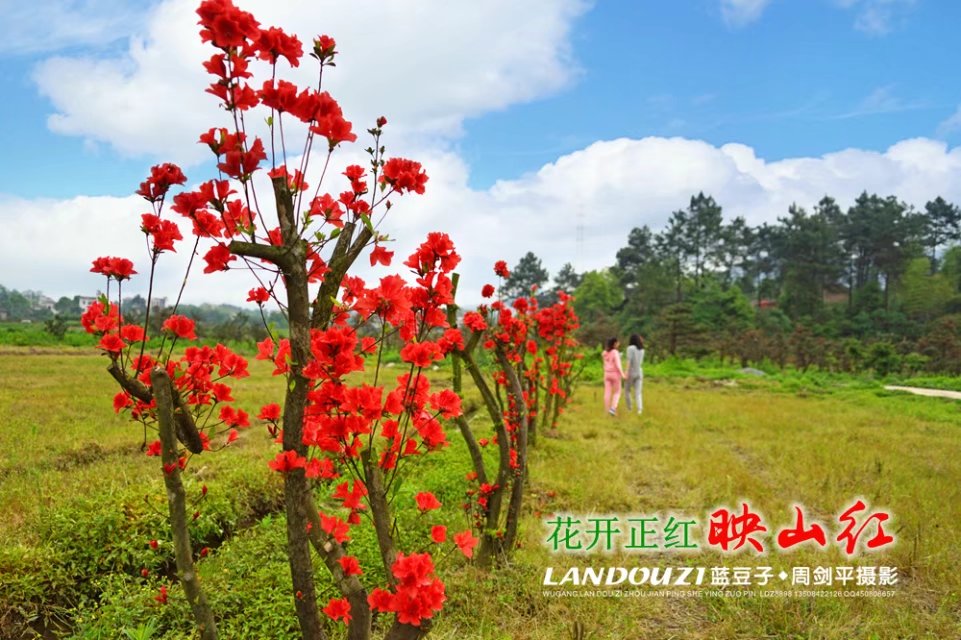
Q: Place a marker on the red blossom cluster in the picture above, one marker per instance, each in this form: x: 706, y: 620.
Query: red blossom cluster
x: 198, y: 375
x: 340, y: 417
x: 162, y: 177
x: 117, y: 268
x: 419, y: 593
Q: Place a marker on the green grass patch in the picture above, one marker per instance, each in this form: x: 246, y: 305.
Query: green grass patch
x: 81, y: 502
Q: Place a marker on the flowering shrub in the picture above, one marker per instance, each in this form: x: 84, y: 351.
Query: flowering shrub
x: 534, y: 352
x: 346, y: 440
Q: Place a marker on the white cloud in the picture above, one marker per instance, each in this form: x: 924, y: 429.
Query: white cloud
x: 877, y: 17
x: 608, y: 187
x: 42, y: 26
x: 737, y: 13
x: 950, y: 124
x: 874, y: 17
x: 880, y: 101
x: 425, y: 64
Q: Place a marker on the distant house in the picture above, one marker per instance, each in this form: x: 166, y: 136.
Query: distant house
x: 764, y: 303
x: 38, y: 301
x: 45, y: 303
x: 85, y: 302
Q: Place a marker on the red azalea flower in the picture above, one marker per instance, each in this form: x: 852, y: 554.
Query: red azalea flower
x: 265, y: 350
x: 324, y: 47
x: 381, y: 255
x: 270, y: 412
x: 321, y: 468
x: 355, y: 173
x: 350, y: 565
x: 180, y: 326
x: 162, y: 596
x: 436, y: 252
x: 258, y: 295
x: 438, y: 533
x: 274, y: 43
x: 163, y: 232
x: 380, y: 600
x: 226, y: 26
x: 466, y: 542
x: 121, y: 401
x: 500, y: 268
x: 154, y: 449
x: 335, y: 527
x: 111, y: 343
x: 218, y: 258
x: 419, y: 594
x: 427, y: 501
x: 338, y: 609
x: 474, y: 321
x: 116, y: 268
x: 447, y: 402
x: 162, y: 177
x: 421, y: 354
x: 487, y: 291
x: 351, y: 497
x: 132, y: 333
x: 235, y: 417
x: 404, y: 175
x: 287, y: 461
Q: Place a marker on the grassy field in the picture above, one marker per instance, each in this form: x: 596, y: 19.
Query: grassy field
x: 79, y: 503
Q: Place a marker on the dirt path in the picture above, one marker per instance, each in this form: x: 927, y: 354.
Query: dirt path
x: 935, y: 393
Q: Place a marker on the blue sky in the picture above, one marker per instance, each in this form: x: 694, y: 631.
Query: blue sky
x: 532, y: 117
x: 799, y: 80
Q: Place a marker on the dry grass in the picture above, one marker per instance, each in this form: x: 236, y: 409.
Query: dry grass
x: 698, y: 446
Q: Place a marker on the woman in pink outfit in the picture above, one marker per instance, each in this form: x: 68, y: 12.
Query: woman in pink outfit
x: 613, y: 374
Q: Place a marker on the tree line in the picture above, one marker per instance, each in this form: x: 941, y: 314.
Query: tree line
x: 222, y: 322
x: 876, y: 286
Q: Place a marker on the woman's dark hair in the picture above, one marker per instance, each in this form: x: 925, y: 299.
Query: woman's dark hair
x: 637, y: 341
x: 610, y: 344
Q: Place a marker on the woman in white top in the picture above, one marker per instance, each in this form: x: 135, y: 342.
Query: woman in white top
x: 635, y: 373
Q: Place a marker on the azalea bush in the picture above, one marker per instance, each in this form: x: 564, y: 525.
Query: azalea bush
x: 533, y: 354
x: 345, y: 439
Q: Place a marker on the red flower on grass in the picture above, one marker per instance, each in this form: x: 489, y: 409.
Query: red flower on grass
x: 112, y: 343
x: 269, y: 412
x: 350, y: 565
x: 338, y: 609
x: 421, y: 354
x: 427, y: 501
x: 287, y: 461
x: 336, y: 527
x: 466, y: 542
x: 474, y: 321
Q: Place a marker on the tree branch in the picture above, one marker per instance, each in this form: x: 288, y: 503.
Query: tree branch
x: 177, y: 503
